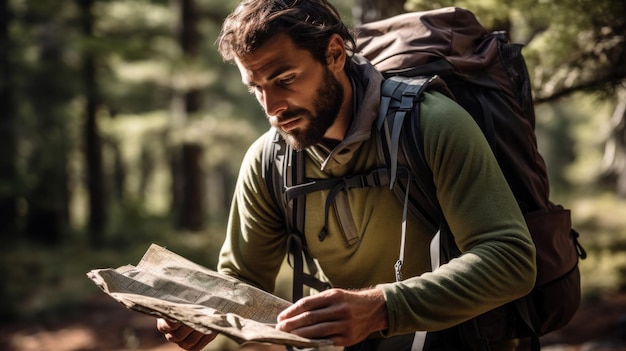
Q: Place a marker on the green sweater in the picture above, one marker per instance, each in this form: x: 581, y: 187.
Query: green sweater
x: 362, y: 246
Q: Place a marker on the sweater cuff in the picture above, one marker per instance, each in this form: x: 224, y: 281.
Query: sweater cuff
x: 391, y: 311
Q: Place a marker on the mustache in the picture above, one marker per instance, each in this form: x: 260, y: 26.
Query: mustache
x: 291, y: 114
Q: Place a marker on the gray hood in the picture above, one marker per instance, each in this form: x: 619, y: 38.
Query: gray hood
x: 366, y: 83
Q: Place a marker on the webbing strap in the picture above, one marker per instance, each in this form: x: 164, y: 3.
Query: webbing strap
x: 301, y: 278
x: 294, y: 245
x: 402, y: 93
x: 375, y: 178
x: 407, y: 91
x: 398, y: 265
x: 387, y: 91
x: 395, y: 142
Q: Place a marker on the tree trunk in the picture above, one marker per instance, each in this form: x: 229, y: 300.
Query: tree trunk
x: 91, y: 135
x: 8, y: 173
x: 372, y: 10
x: 190, y: 211
x: 614, y: 162
x: 47, y: 196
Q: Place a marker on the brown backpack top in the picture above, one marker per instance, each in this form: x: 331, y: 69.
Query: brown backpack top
x: 486, y: 74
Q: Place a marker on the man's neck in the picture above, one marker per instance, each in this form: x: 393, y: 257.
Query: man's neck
x: 337, y: 131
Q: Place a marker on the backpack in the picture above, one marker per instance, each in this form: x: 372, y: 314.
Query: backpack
x: 487, y: 75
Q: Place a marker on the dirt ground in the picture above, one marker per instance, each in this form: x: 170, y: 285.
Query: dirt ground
x: 105, y: 325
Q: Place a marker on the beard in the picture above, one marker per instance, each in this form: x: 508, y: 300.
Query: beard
x: 327, y: 104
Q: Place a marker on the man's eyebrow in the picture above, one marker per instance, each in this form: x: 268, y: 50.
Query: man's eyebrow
x: 280, y: 70
x: 275, y: 73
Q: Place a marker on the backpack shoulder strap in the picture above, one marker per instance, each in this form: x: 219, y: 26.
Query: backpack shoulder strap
x: 283, y: 167
x: 271, y: 159
x: 401, y: 143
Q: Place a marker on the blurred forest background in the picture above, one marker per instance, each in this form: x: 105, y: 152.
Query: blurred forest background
x: 120, y: 126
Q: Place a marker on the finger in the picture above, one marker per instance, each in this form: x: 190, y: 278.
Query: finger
x: 255, y: 346
x: 179, y: 334
x: 165, y: 326
x: 196, y: 341
x: 315, y: 330
x: 340, y: 333
x: 317, y: 323
x: 310, y: 303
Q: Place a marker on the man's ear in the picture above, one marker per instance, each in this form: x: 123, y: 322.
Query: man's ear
x: 336, y: 53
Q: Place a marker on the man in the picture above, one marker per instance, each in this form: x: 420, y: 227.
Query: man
x: 296, y: 57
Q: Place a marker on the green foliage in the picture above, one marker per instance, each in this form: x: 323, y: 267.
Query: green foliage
x: 489, y: 12
x: 45, y: 82
x: 570, y: 135
x: 602, y: 226
x: 50, y: 284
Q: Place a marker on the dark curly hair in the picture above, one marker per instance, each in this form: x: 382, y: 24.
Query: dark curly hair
x: 309, y: 23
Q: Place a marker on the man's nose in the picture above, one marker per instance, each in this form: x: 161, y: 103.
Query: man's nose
x: 274, y: 104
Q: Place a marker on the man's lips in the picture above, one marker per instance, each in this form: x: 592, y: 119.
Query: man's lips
x: 289, y: 124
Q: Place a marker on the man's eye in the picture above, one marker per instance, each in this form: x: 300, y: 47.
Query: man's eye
x: 288, y: 80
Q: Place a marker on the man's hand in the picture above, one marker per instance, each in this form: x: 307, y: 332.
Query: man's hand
x: 345, y: 317
x: 184, y: 336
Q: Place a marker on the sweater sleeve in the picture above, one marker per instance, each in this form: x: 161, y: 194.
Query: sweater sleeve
x: 254, y: 247
x: 497, y: 264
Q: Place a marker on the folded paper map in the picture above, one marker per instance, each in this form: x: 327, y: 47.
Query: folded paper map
x: 167, y: 285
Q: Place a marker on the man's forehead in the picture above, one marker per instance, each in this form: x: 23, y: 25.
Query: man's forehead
x: 277, y: 55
